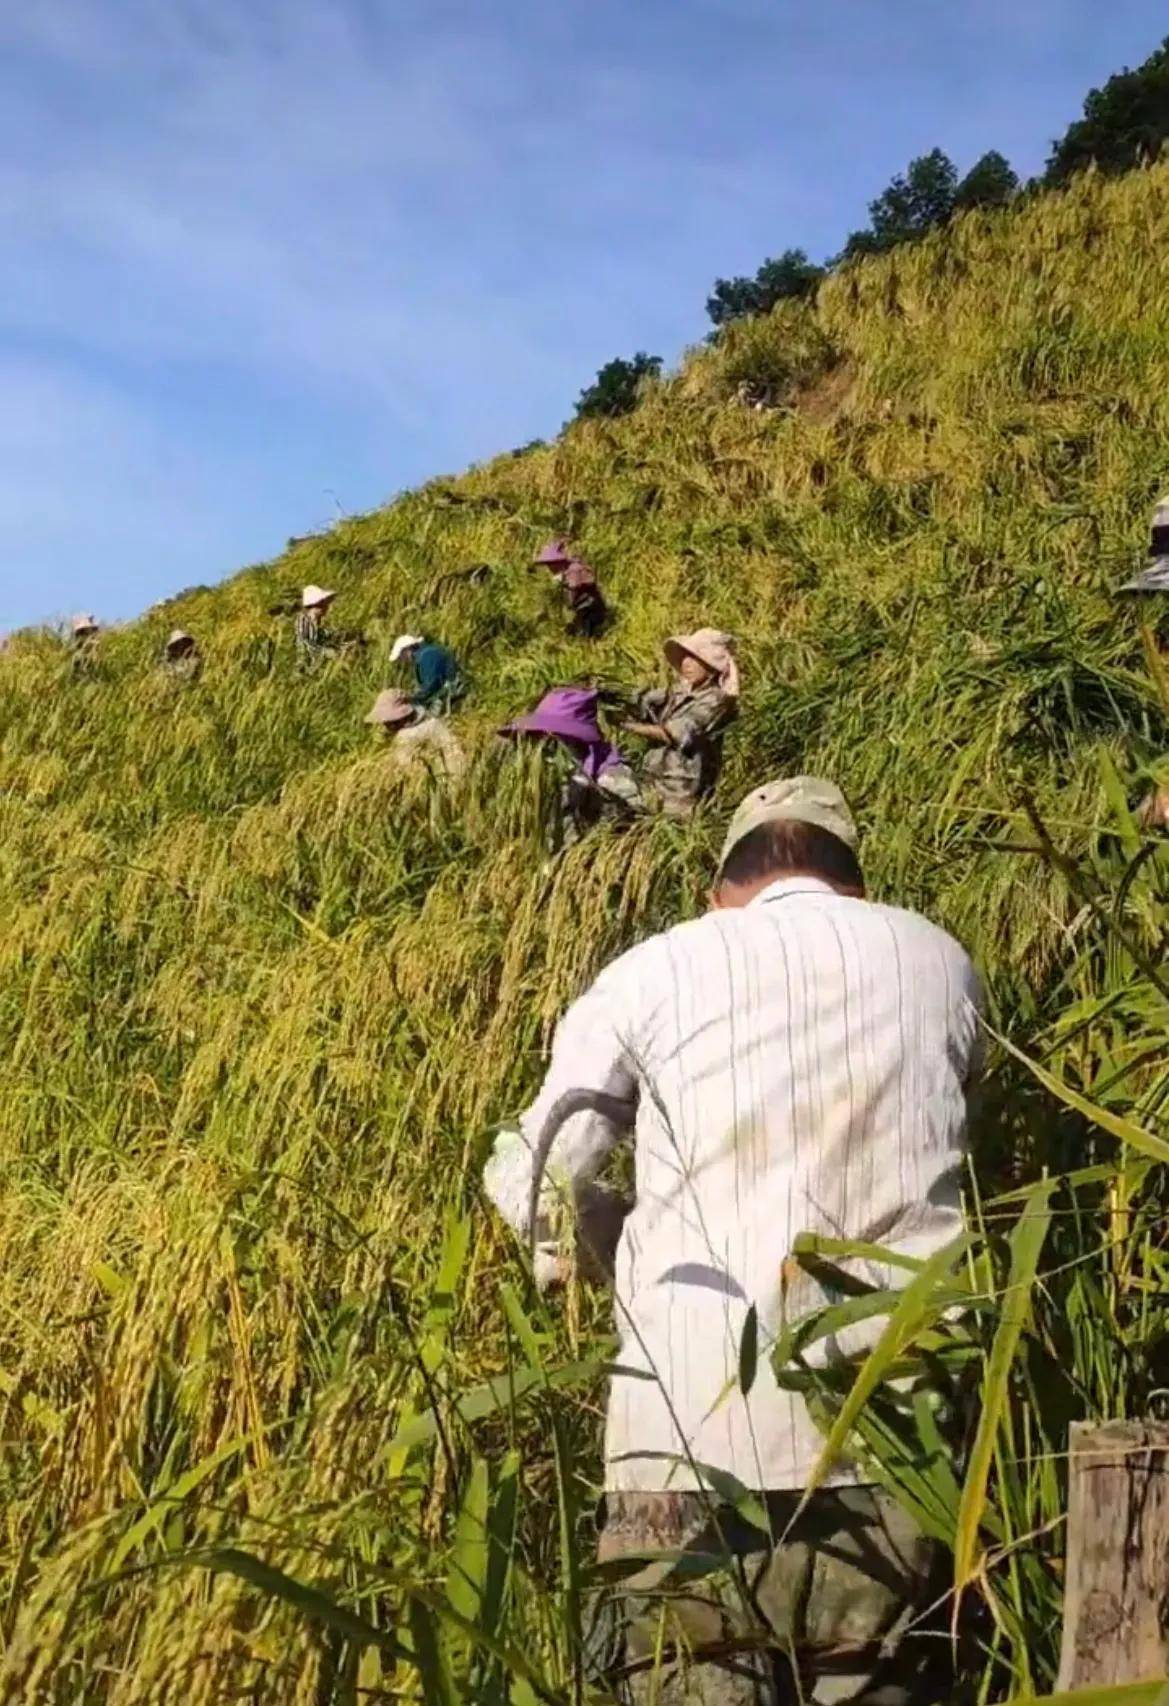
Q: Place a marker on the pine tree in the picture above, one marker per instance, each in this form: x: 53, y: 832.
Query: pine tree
x: 990, y: 182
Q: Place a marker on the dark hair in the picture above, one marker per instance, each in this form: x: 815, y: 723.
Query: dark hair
x: 784, y: 848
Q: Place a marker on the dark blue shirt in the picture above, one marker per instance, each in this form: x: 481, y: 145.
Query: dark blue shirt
x: 438, y: 675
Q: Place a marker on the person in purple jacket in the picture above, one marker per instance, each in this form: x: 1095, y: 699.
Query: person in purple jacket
x: 589, y: 611
x: 598, y: 785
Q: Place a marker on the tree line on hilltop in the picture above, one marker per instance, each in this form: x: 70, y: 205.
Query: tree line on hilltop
x: 1124, y: 124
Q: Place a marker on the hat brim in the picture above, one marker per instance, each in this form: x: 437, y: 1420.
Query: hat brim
x: 674, y: 651
x: 380, y: 722
x: 534, y: 725
x: 1154, y: 577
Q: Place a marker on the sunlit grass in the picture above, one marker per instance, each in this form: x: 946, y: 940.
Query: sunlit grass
x: 260, y: 999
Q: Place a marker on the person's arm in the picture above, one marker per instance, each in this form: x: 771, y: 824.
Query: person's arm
x: 648, y: 731
x: 590, y: 1059
x: 429, y: 674
x: 699, y: 715
x: 646, y: 719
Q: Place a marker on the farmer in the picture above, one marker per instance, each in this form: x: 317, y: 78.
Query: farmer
x: 436, y: 671
x: 597, y: 786
x: 685, y: 723
x: 1154, y: 577
x: 581, y: 592
x: 795, y: 1061
x: 313, y: 641
x: 415, y: 736
x: 181, y: 660
x: 83, y: 636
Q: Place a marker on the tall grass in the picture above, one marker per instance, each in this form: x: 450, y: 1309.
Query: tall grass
x: 279, y: 1419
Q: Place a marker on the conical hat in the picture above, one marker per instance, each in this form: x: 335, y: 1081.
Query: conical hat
x: 314, y: 595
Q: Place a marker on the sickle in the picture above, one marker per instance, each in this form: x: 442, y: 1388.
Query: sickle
x: 612, y: 1108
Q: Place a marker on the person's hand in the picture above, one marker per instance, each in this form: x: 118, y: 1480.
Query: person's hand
x: 600, y: 1215
x: 551, y: 1270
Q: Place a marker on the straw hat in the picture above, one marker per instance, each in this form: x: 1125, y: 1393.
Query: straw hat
x: 793, y: 799
x: 84, y: 624
x: 178, y: 640
x: 713, y: 649
x: 555, y: 554
x: 312, y: 596
x: 404, y: 643
x: 567, y: 713
x: 391, y: 706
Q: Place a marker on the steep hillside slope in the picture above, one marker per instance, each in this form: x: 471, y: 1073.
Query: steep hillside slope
x: 260, y: 1000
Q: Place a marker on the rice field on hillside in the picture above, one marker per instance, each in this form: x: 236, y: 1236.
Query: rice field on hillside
x: 282, y: 1419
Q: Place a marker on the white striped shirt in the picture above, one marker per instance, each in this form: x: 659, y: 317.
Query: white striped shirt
x: 797, y: 1065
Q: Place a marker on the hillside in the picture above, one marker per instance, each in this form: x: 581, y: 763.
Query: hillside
x: 260, y: 1001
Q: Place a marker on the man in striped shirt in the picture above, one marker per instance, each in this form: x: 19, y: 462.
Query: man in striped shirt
x: 795, y: 1061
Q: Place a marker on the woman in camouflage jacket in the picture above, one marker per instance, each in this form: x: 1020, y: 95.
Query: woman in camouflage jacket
x: 685, y: 723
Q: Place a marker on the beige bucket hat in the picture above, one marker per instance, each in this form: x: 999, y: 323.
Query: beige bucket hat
x: 404, y: 643
x: 793, y: 799
x: 84, y: 624
x: 391, y: 706
x: 314, y: 595
x: 711, y: 647
x: 179, y: 640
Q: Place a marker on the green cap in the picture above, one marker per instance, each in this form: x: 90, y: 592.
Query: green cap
x: 792, y: 799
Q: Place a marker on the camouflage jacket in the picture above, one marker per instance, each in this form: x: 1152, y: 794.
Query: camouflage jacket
x: 688, y: 767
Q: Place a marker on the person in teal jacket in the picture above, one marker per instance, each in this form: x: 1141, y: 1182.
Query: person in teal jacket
x: 436, y: 670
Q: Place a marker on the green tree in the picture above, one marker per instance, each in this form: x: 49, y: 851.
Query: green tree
x: 732, y: 299
x: 617, y: 386
x: 990, y: 182
x: 915, y: 203
x: 912, y: 204
x: 791, y: 275
x: 1125, y: 122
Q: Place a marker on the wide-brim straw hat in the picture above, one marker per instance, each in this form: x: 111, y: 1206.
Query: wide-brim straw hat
x: 314, y: 595
x: 554, y: 554
x: 179, y: 640
x: 404, y: 643
x: 84, y: 624
x: 391, y: 706
x: 712, y: 648
x: 566, y: 713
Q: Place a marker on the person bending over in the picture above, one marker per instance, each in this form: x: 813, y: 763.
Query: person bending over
x: 795, y: 1061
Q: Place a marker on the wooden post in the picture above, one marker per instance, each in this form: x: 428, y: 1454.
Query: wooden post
x: 1116, y: 1594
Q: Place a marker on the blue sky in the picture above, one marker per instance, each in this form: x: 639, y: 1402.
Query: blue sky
x: 265, y: 258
